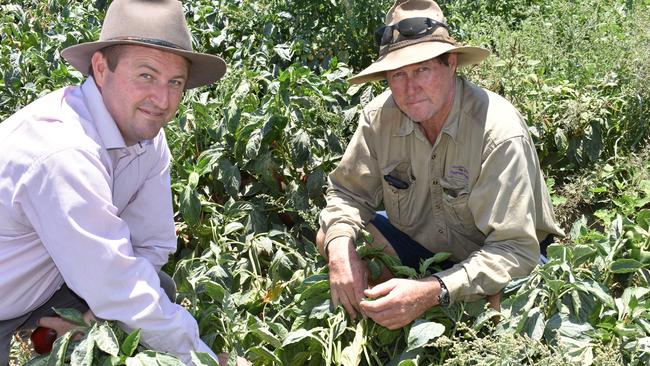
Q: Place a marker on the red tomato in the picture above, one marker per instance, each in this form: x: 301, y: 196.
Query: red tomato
x: 42, y: 339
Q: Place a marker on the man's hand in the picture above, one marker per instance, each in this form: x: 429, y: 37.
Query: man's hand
x: 403, y: 301
x: 223, y: 360
x: 348, y: 275
x: 62, y: 326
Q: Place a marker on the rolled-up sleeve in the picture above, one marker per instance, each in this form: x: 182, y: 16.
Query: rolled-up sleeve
x: 503, y: 205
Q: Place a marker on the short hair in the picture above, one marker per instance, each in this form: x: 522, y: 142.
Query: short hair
x: 112, y: 55
x: 443, y: 59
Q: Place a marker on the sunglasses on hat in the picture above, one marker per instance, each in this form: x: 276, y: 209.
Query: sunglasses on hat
x: 410, y: 28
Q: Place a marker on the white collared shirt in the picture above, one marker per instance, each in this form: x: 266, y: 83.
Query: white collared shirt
x: 79, y: 206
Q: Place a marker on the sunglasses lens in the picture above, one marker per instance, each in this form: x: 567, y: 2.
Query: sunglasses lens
x: 379, y: 35
x: 407, y: 28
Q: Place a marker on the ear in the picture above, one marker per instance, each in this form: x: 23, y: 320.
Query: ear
x: 100, y: 68
x: 453, y: 61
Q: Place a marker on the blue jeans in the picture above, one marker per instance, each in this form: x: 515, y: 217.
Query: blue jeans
x: 410, y: 252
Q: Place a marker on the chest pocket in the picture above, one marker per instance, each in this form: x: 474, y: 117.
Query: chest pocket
x: 455, y: 202
x: 399, y: 186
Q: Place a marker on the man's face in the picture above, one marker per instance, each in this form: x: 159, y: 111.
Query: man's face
x: 424, y: 91
x: 143, y: 92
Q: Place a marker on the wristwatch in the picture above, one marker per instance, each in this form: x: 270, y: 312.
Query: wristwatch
x: 443, y: 297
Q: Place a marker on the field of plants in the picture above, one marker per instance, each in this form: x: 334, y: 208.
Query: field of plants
x: 251, y: 155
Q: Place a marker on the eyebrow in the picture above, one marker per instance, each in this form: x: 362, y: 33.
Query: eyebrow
x: 147, y: 66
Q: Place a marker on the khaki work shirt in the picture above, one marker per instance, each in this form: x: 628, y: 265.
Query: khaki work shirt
x: 477, y: 193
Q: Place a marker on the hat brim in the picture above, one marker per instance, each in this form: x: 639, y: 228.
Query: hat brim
x: 418, y: 52
x: 204, y: 68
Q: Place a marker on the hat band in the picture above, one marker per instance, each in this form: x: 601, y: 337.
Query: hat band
x: 408, y: 42
x: 152, y: 41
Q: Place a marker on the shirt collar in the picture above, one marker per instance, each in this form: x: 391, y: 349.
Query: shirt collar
x: 450, y: 127
x: 104, y: 122
x: 101, y: 118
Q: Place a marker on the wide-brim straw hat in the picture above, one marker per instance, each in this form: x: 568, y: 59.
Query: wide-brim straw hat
x: 413, y: 50
x: 158, y: 24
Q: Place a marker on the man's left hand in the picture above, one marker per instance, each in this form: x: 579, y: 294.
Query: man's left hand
x: 403, y: 301
x: 62, y: 326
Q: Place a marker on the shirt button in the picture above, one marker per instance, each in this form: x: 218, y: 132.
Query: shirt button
x: 433, y: 157
x: 441, y: 231
x: 435, y: 182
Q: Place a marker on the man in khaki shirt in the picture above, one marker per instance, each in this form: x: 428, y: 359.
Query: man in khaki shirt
x: 454, y: 167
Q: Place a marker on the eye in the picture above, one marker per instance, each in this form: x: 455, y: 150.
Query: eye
x: 146, y: 76
x: 397, y: 75
x: 177, y: 83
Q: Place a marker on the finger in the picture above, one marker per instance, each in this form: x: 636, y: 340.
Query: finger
x: 89, y: 317
x: 223, y: 358
x: 334, y: 294
x: 347, y: 304
x: 380, y: 289
x: 495, y: 301
x: 59, y: 325
x: 380, y: 304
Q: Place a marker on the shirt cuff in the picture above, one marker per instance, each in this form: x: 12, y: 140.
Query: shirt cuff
x: 456, y: 281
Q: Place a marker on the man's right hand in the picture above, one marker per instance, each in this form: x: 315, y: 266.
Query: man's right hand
x: 348, y: 275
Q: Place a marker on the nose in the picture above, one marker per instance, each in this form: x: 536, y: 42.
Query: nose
x: 412, y: 87
x: 160, y: 96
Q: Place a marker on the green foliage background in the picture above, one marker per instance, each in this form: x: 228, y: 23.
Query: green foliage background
x: 251, y: 156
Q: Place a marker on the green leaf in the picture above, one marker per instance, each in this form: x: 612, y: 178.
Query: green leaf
x: 232, y: 227
x: 422, y: 332
x: 59, y: 350
x: 164, y: 359
x: 300, y: 145
x: 71, y: 315
x: 253, y: 145
x: 131, y: 342
x: 229, y: 176
x: 202, y: 359
x: 535, y: 323
x: 625, y: 266
x: 300, y: 334
x: 190, y: 205
x: 321, y: 311
x: 105, y: 339
x: 284, y: 50
x: 83, y: 353
x: 351, y: 355
x: 262, y: 331
x: 146, y: 358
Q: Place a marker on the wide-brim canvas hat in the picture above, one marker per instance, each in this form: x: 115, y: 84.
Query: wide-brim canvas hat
x: 411, y: 50
x: 151, y: 23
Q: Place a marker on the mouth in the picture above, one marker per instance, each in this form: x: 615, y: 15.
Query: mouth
x: 153, y: 114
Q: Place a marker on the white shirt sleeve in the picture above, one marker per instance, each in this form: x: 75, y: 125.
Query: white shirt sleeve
x: 67, y: 198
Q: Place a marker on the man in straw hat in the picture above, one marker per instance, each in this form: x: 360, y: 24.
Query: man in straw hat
x: 86, y: 217
x: 454, y: 167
